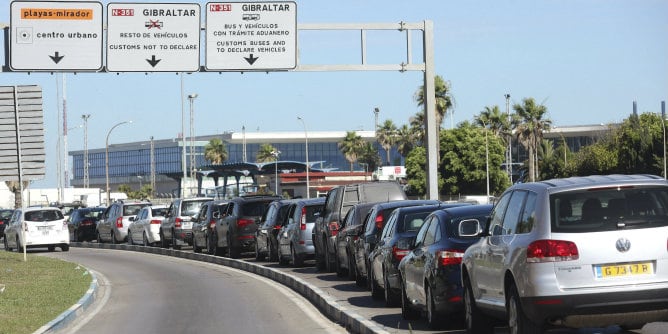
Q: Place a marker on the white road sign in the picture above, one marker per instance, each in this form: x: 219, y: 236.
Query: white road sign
x: 249, y: 36
x: 56, y: 36
x: 153, y: 37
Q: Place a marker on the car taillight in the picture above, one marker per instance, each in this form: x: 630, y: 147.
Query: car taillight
x: 119, y: 222
x: 334, y: 228
x: 379, y: 221
x: 552, y: 251
x: 244, y: 222
x: 155, y: 221
x: 212, y: 223
x: 277, y: 227
x: 449, y: 257
x: 86, y: 222
x: 177, y: 222
x: 302, y: 220
x: 399, y: 253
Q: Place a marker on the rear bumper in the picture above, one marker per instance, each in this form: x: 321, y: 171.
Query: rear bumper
x: 600, y: 309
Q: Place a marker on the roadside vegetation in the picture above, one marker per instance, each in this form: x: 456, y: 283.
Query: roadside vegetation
x: 36, y: 291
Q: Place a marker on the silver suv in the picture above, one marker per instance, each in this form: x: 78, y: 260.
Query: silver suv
x: 576, y: 252
x: 176, y: 228
x: 114, y: 222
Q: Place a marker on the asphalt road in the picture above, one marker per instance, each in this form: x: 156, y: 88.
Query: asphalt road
x: 146, y: 293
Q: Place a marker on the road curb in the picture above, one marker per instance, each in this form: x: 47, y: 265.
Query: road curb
x: 75, y: 310
x: 346, y: 317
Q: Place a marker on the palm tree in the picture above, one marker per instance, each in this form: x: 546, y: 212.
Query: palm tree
x: 530, y: 129
x: 406, y: 140
x: 444, y: 99
x: 351, y: 147
x: 215, y: 151
x: 266, y: 153
x: 417, y: 127
x: 387, y: 137
x: 496, y: 121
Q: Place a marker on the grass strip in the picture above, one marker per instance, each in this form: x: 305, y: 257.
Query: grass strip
x: 37, y: 291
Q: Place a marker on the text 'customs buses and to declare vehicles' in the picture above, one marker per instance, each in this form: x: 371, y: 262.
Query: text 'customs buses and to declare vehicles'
x: 159, y: 37
x: 251, y: 36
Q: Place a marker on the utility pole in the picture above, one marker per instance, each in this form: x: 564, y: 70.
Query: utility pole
x: 85, y: 118
x: 509, y: 160
x: 152, y: 168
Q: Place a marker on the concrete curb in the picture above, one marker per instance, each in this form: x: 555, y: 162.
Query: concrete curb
x: 75, y: 310
x: 328, y: 305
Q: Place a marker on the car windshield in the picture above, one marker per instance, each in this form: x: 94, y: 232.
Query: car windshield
x: 609, y: 209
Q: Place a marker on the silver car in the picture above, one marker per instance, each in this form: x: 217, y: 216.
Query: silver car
x: 295, y: 243
x: 114, y: 222
x: 576, y: 252
x: 145, y: 229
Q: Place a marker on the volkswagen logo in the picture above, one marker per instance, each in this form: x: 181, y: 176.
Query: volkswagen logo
x: 623, y: 245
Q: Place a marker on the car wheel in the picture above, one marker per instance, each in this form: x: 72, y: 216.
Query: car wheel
x: 175, y: 244
x: 319, y: 261
x: 282, y: 259
x: 329, y: 263
x: 130, y: 241
x: 19, y: 247
x: 407, y: 312
x: 75, y: 236
x: 232, y: 252
x: 210, y: 245
x: 113, y: 238
x: 297, y: 260
x: 359, y: 279
x: 163, y: 241
x: 65, y: 248
x: 476, y: 321
x: 390, y: 297
x: 99, y: 238
x: 7, y: 248
x: 51, y: 248
x: 352, y: 270
x: 196, y: 248
x: 144, y: 240
x: 376, y: 292
x: 273, y: 252
x: 434, y: 320
x: 258, y: 256
x: 518, y: 323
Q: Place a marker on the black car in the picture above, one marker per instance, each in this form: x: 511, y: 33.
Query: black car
x: 82, y: 223
x: 373, y: 226
x: 5, y: 215
x: 394, y: 243
x: 274, y: 218
x: 431, y: 271
x: 235, y: 232
x: 349, y: 232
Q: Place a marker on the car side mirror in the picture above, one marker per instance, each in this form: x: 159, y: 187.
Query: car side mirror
x: 133, y: 218
x: 216, y: 215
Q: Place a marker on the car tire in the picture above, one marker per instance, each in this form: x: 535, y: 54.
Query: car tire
x: 196, y: 248
x: 163, y: 241
x: 517, y: 319
x: 99, y: 238
x: 434, y: 320
x: 113, y: 238
x: 407, y: 312
x: 297, y: 260
x: 75, y: 236
x: 282, y: 259
x: 391, y: 299
x: 7, y: 248
x: 144, y: 240
x: 258, y: 256
x: 51, y: 248
x: 273, y: 252
x: 210, y: 245
x: 19, y: 247
x: 232, y: 252
x: 352, y: 270
x: 64, y: 248
x: 175, y: 244
x: 319, y: 260
x: 476, y: 321
x: 329, y: 263
x: 130, y: 240
x: 376, y: 292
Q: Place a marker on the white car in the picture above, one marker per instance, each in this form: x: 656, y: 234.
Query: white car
x: 145, y: 229
x: 43, y: 227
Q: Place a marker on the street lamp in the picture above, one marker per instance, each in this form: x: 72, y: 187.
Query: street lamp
x: 106, y: 158
x: 192, y: 98
x: 509, y: 161
x: 275, y: 153
x: 486, y: 159
x: 308, y: 188
x: 85, y: 118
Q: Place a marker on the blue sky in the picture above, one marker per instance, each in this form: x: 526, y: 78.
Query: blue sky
x: 586, y: 61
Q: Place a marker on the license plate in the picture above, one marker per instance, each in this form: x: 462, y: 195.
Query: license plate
x: 629, y: 269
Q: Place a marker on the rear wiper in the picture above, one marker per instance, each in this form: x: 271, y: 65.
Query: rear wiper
x: 638, y: 221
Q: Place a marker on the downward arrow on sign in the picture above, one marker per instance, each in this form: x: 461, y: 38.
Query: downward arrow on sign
x: 153, y: 61
x: 56, y: 57
x: 251, y: 59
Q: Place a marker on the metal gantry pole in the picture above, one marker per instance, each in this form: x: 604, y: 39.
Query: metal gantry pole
x: 308, y: 186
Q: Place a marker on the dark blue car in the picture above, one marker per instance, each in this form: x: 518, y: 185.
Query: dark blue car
x: 431, y: 272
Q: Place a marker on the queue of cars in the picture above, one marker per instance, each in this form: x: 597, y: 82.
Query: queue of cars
x: 576, y: 252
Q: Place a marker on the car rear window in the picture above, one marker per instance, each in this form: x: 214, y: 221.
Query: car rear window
x: 313, y: 212
x: 159, y: 212
x: 254, y: 208
x: 608, y: 209
x: 43, y: 215
x: 93, y: 213
x: 191, y: 208
x: 132, y: 209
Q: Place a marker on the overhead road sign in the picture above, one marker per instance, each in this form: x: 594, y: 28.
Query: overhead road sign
x: 153, y: 37
x: 251, y: 36
x: 56, y: 36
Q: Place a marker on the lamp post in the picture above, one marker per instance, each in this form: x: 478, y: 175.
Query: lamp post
x: 192, y: 98
x: 486, y: 159
x: 85, y: 118
x: 308, y: 188
x: 106, y: 158
x: 509, y: 161
x: 275, y: 153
